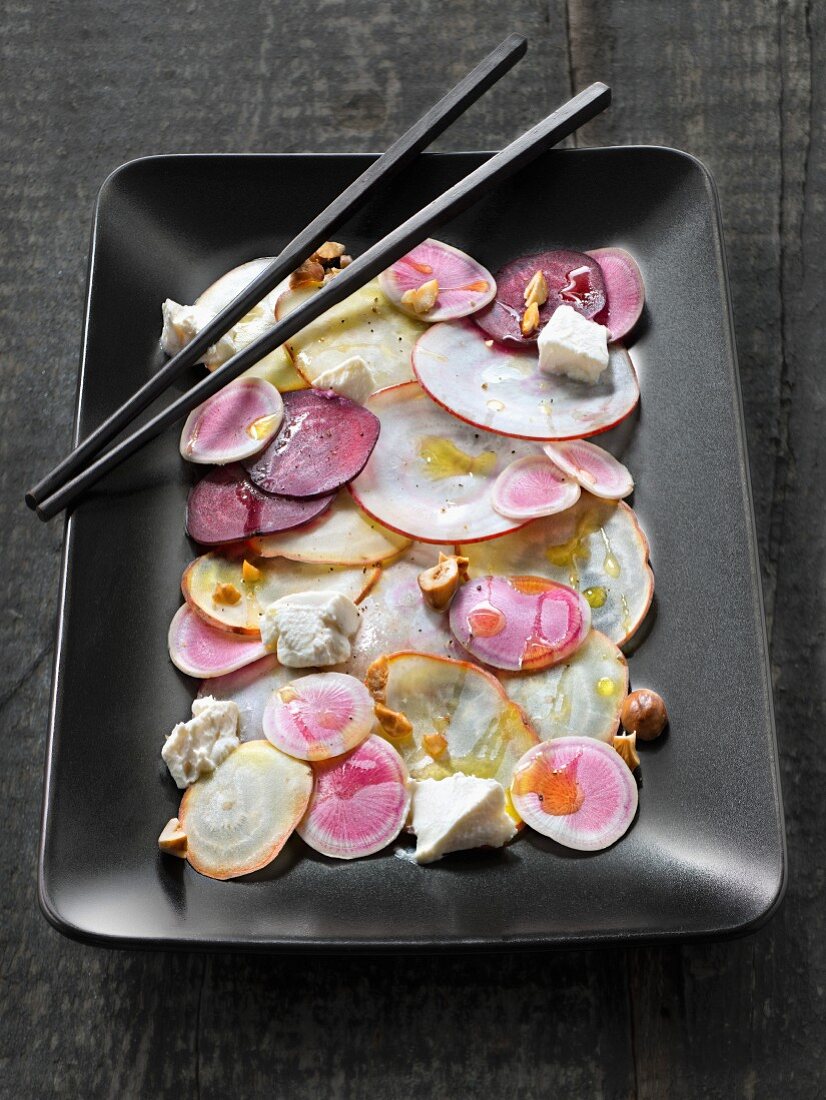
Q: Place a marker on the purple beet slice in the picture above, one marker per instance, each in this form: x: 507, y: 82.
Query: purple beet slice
x: 573, y: 278
x: 323, y: 443
x: 225, y: 506
x: 624, y: 290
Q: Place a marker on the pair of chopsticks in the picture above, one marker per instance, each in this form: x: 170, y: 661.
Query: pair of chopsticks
x: 71, y: 477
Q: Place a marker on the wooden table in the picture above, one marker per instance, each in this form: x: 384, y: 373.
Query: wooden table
x: 88, y: 85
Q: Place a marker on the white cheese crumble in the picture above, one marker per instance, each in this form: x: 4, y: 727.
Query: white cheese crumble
x: 310, y: 629
x: 458, y: 812
x: 351, y: 378
x: 570, y: 344
x: 197, y: 747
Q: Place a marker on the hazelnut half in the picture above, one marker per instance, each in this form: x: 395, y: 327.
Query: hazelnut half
x: 440, y: 583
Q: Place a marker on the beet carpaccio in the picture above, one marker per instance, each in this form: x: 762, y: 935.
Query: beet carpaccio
x: 417, y: 571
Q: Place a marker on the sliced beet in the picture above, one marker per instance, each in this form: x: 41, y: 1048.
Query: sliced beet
x: 624, y: 290
x: 573, y: 278
x: 323, y: 443
x: 225, y: 506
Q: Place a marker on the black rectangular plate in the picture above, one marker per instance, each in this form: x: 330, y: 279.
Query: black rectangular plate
x: 706, y: 856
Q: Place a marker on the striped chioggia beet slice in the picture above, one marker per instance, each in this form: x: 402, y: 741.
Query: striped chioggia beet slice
x: 624, y: 291
x: 235, y: 423
x: 226, y: 507
x: 319, y: 716
x: 531, y: 487
x: 463, y: 285
x: 323, y: 443
x: 571, y: 278
x: 577, y: 791
x: 203, y: 651
x: 238, y: 818
x: 359, y: 802
x: 519, y: 623
x: 593, y: 467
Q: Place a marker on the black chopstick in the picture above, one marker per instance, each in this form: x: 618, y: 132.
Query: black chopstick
x: 453, y: 201
x: 397, y: 157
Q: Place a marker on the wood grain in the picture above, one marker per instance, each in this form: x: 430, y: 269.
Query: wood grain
x: 741, y: 85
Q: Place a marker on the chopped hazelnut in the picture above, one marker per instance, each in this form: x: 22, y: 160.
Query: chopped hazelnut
x: 330, y: 250
x: 250, y: 573
x: 226, y: 594
x: 423, y: 298
x: 626, y: 746
x: 392, y: 722
x: 644, y: 713
x: 434, y: 744
x: 530, y: 319
x: 440, y: 583
x: 173, y: 839
x: 310, y: 273
x: 345, y: 260
x: 536, y: 292
x: 287, y: 694
x: 376, y: 678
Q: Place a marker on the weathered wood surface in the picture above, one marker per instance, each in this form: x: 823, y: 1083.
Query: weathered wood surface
x: 88, y: 85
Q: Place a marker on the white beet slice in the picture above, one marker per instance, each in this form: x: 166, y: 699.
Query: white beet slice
x: 365, y: 324
x: 577, y: 791
x: 359, y: 803
x: 206, y: 577
x: 501, y: 389
x: 233, y: 424
x: 238, y: 818
x: 596, y: 547
x: 344, y: 535
x: 581, y: 696
x: 485, y: 733
x: 594, y: 468
x: 276, y: 367
x: 319, y: 716
x: 532, y: 487
x: 464, y: 286
x: 430, y: 477
x: 203, y: 651
x: 519, y: 623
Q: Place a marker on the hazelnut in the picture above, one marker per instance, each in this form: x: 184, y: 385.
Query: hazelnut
x: 392, y: 722
x: 530, y: 319
x: 226, y: 594
x: 536, y: 292
x: 440, y: 583
x: 250, y: 573
x: 376, y: 678
x: 626, y: 745
x: 434, y: 744
x: 423, y: 298
x: 329, y: 251
x: 644, y: 713
x: 173, y: 839
x: 310, y: 273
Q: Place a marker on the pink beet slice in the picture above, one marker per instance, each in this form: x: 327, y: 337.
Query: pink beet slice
x: 233, y: 424
x: 324, y: 442
x: 359, y: 801
x: 531, y: 487
x: 319, y: 716
x: 464, y: 285
x: 519, y: 623
x: 624, y: 291
x: 592, y: 467
x: 576, y: 790
x: 225, y: 506
x: 573, y: 278
x: 201, y: 650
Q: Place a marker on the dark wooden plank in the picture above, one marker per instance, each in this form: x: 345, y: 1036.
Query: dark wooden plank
x: 731, y: 83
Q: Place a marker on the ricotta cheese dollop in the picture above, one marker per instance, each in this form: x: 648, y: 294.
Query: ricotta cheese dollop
x: 310, y: 629
x: 197, y: 747
x: 572, y: 345
x: 351, y: 378
x: 458, y: 812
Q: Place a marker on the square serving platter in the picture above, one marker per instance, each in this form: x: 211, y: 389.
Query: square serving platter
x: 706, y: 855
